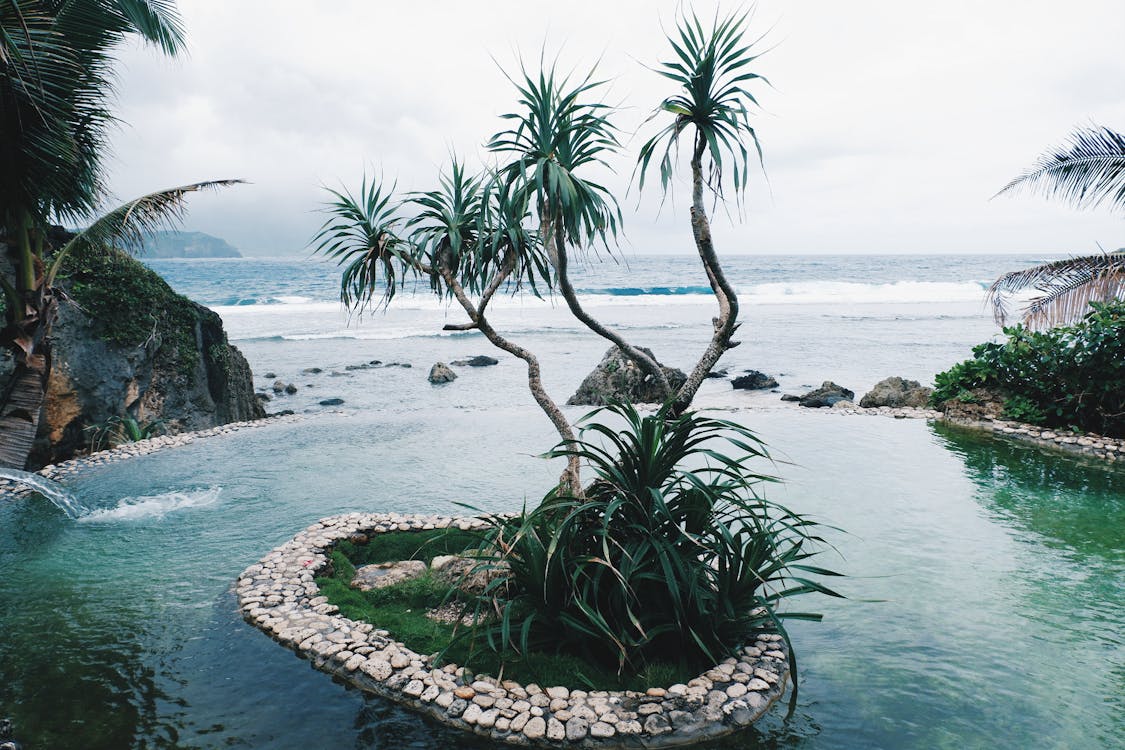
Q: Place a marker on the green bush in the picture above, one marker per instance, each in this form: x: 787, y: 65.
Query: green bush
x: 671, y: 557
x: 1071, y: 376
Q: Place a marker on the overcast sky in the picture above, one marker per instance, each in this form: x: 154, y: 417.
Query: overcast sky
x: 888, y: 127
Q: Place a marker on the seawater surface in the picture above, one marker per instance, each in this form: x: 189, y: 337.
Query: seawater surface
x: 986, y: 604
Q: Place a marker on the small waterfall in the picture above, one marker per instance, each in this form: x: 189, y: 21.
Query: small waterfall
x: 48, y: 489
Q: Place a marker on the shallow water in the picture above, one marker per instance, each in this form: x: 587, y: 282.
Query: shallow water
x: 986, y: 599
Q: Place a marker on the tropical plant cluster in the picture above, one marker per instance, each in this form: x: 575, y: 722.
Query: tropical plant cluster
x: 672, y: 556
x: 1068, y: 377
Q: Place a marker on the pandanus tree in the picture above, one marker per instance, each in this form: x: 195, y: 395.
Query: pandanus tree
x: 56, y: 76
x: 712, y: 110
x: 468, y: 238
x: 1086, y: 172
x: 542, y: 203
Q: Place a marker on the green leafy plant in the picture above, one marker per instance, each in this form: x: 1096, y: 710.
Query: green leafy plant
x: 1071, y: 376
x: 672, y: 555
x: 118, y: 430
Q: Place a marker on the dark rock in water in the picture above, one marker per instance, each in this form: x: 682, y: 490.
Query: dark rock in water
x: 290, y: 389
x: 754, y: 381
x: 270, y: 375
x: 264, y: 396
x: 717, y: 374
x: 896, y: 392
x: 826, y: 395
x: 312, y: 371
x: 357, y: 367
x: 332, y: 402
x: 790, y: 397
x: 478, y: 361
x: 283, y: 413
x: 440, y: 373
x: 618, y: 377
x: 278, y: 386
x: 133, y: 347
x: 375, y: 362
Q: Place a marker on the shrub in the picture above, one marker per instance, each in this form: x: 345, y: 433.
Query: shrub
x: 672, y: 556
x: 1071, y: 376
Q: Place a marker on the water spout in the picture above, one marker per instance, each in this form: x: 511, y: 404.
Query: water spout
x: 67, y: 502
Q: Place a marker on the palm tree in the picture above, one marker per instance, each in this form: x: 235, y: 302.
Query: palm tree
x: 467, y: 238
x: 56, y: 82
x: 559, y: 132
x: 712, y: 109
x: 1087, y: 172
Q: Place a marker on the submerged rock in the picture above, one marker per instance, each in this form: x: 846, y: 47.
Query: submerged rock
x: 480, y: 360
x: 441, y: 373
x: 618, y: 377
x: 717, y: 374
x: 290, y: 389
x: 312, y: 371
x: 753, y: 381
x: 332, y: 402
x: 826, y: 395
x: 896, y: 392
x: 790, y: 397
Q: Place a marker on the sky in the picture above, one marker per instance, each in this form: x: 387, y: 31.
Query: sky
x: 887, y: 127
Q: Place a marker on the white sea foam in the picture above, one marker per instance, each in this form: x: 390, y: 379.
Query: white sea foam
x: 154, y: 506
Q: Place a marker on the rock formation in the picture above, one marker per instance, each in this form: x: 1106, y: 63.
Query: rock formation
x: 896, y: 392
x: 618, y: 377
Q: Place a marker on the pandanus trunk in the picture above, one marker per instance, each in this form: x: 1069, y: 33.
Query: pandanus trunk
x: 727, y: 321
x: 557, y: 247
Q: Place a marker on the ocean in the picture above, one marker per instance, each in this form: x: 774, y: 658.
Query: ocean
x: 851, y: 319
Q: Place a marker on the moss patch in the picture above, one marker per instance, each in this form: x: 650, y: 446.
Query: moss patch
x: 130, y: 305
x: 401, y: 610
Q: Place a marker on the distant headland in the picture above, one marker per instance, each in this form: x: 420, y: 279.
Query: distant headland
x: 175, y: 244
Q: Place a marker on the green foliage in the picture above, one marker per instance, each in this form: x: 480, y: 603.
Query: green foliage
x: 118, y: 430
x: 713, y: 104
x: 408, y: 545
x: 401, y: 610
x: 116, y: 290
x: 671, y: 557
x: 1063, y: 377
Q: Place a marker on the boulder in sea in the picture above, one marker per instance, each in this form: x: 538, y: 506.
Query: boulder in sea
x: 753, y: 381
x: 790, y: 397
x: 263, y: 397
x: 619, y: 378
x: 827, y: 394
x: 290, y: 389
x: 278, y: 386
x: 896, y: 392
x: 441, y: 373
x: 716, y: 374
x: 332, y: 402
x: 364, y: 366
x: 270, y: 375
x: 480, y: 360
x: 312, y: 371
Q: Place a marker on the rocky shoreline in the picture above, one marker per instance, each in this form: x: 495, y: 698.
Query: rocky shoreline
x: 279, y: 595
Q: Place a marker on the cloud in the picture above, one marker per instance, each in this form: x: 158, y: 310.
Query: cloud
x: 889, y: 127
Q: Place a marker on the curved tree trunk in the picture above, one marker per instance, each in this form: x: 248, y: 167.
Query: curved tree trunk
x: 727, y: 321
x: 557, y: 246
x: 19, y: 415
x: 571, y: 480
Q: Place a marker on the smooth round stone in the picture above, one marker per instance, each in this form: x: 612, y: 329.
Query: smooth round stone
x: 737, y: 690
x: 535, y: 728
x: 756, y: 684
x: 577, y: 728
x: 601, y: 730
x: 465, y: 692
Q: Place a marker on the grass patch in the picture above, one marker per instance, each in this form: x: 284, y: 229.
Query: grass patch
x: 401, y: 610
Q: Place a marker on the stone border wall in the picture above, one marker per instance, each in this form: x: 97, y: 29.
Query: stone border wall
x: 1089, y: 444
x: 279, y: 595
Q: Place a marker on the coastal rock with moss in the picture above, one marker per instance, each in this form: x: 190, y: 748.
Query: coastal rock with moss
x: 127, y: 346
x: 618, y: 378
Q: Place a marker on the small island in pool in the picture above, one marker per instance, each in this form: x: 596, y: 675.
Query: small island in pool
x: 176, y: 244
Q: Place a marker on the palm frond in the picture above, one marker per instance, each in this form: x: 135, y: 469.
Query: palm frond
x: 128, y: 225
x: 713, y: 103
x: 1067, y: 287
x: 1087, y: 171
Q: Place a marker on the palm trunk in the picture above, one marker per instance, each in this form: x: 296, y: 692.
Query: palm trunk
x: 571, y: 480
x: 19, y: 415
x: 727, y: 321
x: 557, y: 244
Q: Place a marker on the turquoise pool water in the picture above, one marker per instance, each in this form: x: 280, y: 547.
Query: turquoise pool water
x: 986, y: 584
